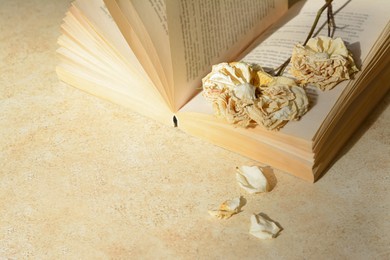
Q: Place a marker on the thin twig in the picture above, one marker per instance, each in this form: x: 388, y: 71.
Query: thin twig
x: 281, y: 68
x: 313, y: 27
x: 330, y: 21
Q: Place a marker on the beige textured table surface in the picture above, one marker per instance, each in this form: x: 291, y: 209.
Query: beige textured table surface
x: 81, y: 178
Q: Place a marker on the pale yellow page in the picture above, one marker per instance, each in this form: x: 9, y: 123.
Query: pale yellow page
x: 93, y: 49
x: 206, y: 32
x: 154, y: 17
x: 97, y: 13
x: 139, y: 40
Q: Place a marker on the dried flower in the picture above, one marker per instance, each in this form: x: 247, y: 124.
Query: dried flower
x: 282, y: 100
x: 229, y: 87
x: 245, y: 96
x: 323, y: 62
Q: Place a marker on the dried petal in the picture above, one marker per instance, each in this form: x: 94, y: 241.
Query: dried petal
x: 245, y: 91
x: 323, y: 62
x: 252, y: 179
x: 263, y: 228
x: 227, y: 209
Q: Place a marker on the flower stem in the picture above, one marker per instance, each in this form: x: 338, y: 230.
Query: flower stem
x: 313, y: 27
x: 281, y: 68
x: 330, y: 21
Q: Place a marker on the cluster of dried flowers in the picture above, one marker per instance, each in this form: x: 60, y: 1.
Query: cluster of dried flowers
x: 245, y: 95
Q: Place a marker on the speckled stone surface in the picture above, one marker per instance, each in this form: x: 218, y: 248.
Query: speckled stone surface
x: 81, y: 178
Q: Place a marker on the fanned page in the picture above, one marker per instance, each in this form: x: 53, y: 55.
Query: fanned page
x: 150, y: 48
x: 205, y: 32
x: 358, y: 22
x: 154, y: 17
x: 96, y: 58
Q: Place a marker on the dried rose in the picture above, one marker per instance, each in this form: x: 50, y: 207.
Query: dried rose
x: 246, y: 96
x: 227, y: 77
x: 323, y: 62
x: 229, y: 86
x: 281, y: 100
x: 232, y: 109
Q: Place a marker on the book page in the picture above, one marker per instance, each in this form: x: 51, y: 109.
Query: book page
x: 90, y: 62
x: 96, y: 12
x: 154, y: 18
x: 358, y: 23
x: 206, y: 32
x: 139, y: 40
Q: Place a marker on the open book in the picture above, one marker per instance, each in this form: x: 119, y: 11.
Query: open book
x: 151, y: 55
